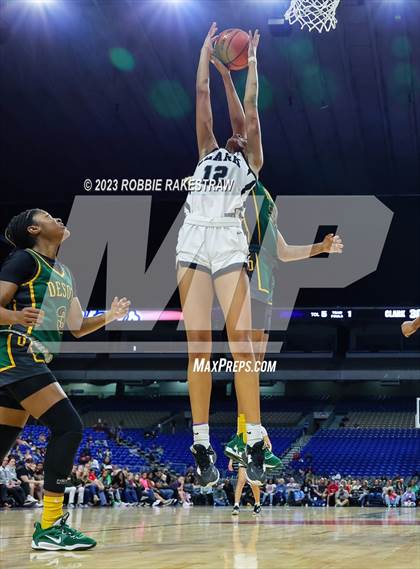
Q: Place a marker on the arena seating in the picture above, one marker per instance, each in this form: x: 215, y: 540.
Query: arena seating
x: 175, y: 448
x: 373, y: 419
x: 365, y: 452
x: 131, y: 419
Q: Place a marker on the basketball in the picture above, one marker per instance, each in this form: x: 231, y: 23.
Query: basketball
x: 231, y: 48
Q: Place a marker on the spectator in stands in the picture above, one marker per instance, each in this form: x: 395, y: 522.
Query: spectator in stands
x: 375, y: 492
x: 207, y: 496
x: 161, y: 486
x: 106, y: 462
x: 113, y: 494
x: 408, y: 499
x: 229, y: 489
x: 341, y: 496
x: 332, y: 489
x: 130, y: 494
x: 269, y: 492
x: 84, y: 457
x: 25, y: 473
x: 355, y: 493
x: 15, y: 492
x: 94, y: 465
x: 280, y: 495
x: 82, y: 478
x: 73, y: 486
x: 184, y: 496
x: 219, y: 496
x: 306, y: 489
x: 39, y: 471
x: 154, y: 498
x: 364, y: 493
x: 316, y: 495
x: 399, y: 486
x: 119, y: 483
x: 14, y: 481
x: 95, y: 488
x: 5, y: 500
x: 294, y: 493
x: 415, y: 486
x: 391, y: 498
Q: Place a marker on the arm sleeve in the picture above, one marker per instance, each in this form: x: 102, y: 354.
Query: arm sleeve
x: 18, y: 268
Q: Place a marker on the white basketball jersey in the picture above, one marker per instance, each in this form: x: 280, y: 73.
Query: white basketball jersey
x: 220, y: 185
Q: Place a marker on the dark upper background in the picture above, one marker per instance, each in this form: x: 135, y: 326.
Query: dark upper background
x: 105, y: 89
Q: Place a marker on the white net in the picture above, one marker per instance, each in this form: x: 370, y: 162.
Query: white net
x: 313, y: 14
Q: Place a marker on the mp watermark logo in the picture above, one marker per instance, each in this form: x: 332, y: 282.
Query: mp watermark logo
x: 119, y: 227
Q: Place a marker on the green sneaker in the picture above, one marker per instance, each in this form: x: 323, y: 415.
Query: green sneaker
x: 271, y: 460
x: 235, y: 449
x: 60, y: 536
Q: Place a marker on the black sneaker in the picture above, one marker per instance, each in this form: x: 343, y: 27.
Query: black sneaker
x: 255, y: 471
x: 235, y: 511
x: 207, y: 473
x: 257, y: 510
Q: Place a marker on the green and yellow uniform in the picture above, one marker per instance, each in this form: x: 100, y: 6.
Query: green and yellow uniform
x: 260, y: 225
x: 45, y: 284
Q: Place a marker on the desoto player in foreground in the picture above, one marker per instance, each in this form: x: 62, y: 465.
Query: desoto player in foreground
x: 37, y: 298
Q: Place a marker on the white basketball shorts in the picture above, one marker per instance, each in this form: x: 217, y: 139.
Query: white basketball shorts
x: 216, y: 245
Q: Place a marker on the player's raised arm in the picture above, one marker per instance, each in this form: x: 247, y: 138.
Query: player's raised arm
x: 236, y: 111
x: 206, y: 140
x: 253, y: 130
x: 80, y: 326
x: 330, y: 244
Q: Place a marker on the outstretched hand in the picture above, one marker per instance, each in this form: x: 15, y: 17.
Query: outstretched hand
x: 332, y: 244
x: 209, y: 41
x: 119, y: 308
x: 253, y: 43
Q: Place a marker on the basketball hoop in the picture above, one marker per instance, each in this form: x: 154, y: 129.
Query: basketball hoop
x: 313, y: 14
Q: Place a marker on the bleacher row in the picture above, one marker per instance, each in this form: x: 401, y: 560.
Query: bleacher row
x: 365, y: 452
x: 386, y: 420
x: 355, y: 452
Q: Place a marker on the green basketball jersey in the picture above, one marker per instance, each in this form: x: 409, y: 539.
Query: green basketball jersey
x: 260, y: 222
x: 51, y: 289
x: 260, y: 225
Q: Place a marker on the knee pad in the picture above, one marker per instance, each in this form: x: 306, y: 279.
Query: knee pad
x: 62, y: 418
x: 66, y: 434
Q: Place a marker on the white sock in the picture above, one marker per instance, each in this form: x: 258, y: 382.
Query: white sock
x: 253, y: 433
x: 236, y: 504
x: 201, y: 434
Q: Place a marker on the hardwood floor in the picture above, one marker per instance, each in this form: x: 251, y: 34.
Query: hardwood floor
x: 199, y: 538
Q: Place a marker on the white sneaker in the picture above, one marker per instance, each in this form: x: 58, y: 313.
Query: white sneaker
x: 30, y: 498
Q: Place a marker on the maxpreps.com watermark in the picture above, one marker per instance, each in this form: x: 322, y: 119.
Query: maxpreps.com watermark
x: 131, y: 185
x: 230, y: 366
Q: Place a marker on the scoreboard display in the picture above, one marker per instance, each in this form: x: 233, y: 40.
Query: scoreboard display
x: 376, y: 314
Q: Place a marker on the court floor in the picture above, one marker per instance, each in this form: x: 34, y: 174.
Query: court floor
x: 199, y: 538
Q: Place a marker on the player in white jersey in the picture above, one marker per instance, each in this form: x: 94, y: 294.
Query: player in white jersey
x: 212, y: 252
